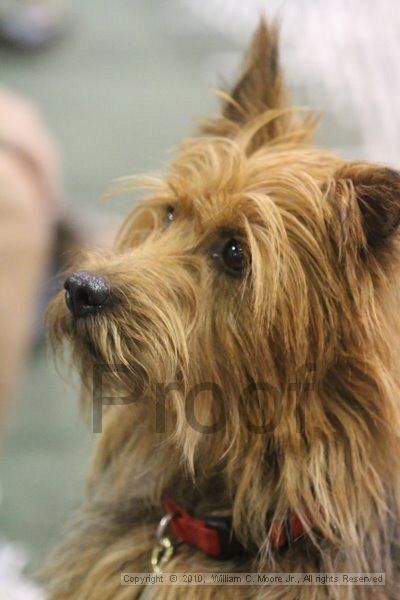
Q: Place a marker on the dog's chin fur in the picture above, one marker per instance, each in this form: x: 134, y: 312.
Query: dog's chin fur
x: 313, y: 319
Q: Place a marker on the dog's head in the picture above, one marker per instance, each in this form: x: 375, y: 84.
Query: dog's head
x: 252, y: 273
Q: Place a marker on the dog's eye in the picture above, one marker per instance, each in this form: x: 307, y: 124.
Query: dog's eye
x: 229, y: 257
x: 170, y: 213
x: 233, y: 257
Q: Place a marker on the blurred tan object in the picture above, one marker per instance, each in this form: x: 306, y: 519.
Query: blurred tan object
x: 28, y: 187
x: 23, y: 134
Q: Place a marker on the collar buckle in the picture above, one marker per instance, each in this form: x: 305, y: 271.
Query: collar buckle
x: 164, y: 548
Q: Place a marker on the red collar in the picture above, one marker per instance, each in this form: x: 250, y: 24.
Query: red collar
x: 214, y: 535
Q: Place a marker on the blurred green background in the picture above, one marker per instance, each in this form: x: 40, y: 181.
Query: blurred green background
x: 124, y: 85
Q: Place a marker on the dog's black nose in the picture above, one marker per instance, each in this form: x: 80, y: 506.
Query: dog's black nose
x: 85, y: 293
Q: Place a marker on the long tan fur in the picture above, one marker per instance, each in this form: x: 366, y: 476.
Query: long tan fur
x: 315, y: 317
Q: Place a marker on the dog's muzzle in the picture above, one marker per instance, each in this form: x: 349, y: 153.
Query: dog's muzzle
x: 86, y: 293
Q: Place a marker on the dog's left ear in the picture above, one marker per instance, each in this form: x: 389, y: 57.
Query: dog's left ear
x: 259, y: 89
x: 377, y: 193
x: 260, y: 86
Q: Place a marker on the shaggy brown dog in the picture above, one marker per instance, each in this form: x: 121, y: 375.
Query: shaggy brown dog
x: 248, y: 319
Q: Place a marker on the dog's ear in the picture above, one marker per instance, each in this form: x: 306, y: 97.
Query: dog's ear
x: 377, y: 193
x: 260, y: 85
x: 259, y: 89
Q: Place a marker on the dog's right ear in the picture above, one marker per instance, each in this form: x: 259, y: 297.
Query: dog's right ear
x: 259, y: 89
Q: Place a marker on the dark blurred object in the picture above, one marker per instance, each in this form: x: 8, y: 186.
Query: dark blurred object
x: 29, y: 26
